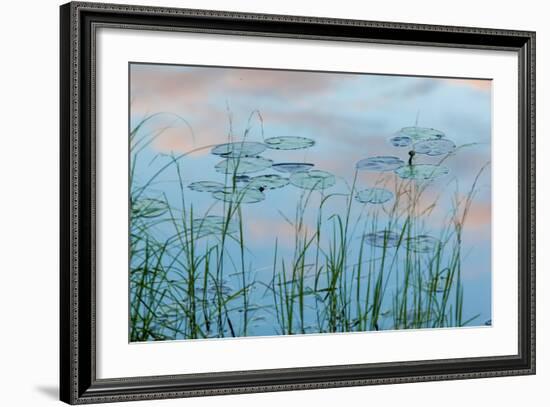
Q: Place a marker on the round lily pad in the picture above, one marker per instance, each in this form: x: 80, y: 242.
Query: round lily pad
x: 205, y: 186
x: 149, y: 208
x: 312, y: 180
x: 269, y: 181
x: 434, y: 146
x: 212, y: 225
x: 239, y: 149
x: 400, y: 141
x: 422, y: 172
x: 415, y: 317
x: 422, y: 244
x: 382, y: 238
x: 289, y: 143
x: 239, y: 195
x: 374, y: 195
x: 222, y: 289
x: 242, y: 179
x: 292, y: 167
x: 244, y: 165
x: 437, y: 285
x: 380, y: 163
x: 210, y: 220
x: 421, y: 133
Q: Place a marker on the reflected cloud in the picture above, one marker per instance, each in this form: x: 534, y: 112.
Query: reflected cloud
x: 265, y: 230
x: 483, y: 85
x: 350, y: 117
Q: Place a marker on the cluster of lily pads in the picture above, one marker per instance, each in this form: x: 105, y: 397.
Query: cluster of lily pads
x: 388, y: 239
x: 242, y: 159
x: 419, y: 140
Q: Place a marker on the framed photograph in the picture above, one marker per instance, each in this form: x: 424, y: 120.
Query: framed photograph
x: 255, y: 203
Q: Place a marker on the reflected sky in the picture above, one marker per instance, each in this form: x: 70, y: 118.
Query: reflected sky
x: 349, y: 116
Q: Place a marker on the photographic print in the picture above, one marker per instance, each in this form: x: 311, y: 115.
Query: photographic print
x: 270, y: 202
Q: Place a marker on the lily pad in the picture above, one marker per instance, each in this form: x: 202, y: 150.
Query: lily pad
x: 244, y: 165
x: 240, y: 195
x: 416, y: 317
x: 239, y: 149
x: 205, y: 186
x: 242, y: 179
x: 269, y: 181
x: 434, y: 147
x: 292, y: 167
x: 223, y: 289
x: 422, y: 244
x: 380, y: 163
x: 382, y: 238
x: 422, y: 172
x: 212, y: 225
x: 149, y: 208
x: 437, y: 285
x: 421, y: 133
x: 289, y: 143
x: 400, y: 141
x: 374, y: 195
x: 312, y: 180
x: 210, y: 220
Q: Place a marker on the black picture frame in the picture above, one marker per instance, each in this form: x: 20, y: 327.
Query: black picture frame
x: 78, y: 382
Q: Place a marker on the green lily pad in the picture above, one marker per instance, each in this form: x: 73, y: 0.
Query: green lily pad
x: 312, y: 180
x: 205, y: 186
x: 415, y: 316
x: 382, y: 238
x: 420, y: 133
x: 374, y: 195
x: 220, y: 289
x: 422, y: 244
x: 289, y: 143
x: 292, y: 167
x: 434, y: 147
x: 380, y: 163
x: 212, y: 225
x: 422, y: 172
x: 437, y: 285
x: 242, y: 179
x: 149, y: 208
x: 269, y: 181
x: 239, y: 149
x: 239, y: 195
x: 244, y: 165
x: 400, y: 141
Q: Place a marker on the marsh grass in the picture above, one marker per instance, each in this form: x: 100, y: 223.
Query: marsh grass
x: 190, y: 280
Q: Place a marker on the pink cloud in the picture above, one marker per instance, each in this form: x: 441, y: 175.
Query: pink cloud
x: 161, y: 87
x: 478, y: 84
x: 281, y: 83
x: 207, y: 130
x: 266, y: 230
x: 159, y: 81
x: 479, y: 215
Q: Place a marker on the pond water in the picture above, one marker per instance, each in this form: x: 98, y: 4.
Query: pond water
x: 287, y: 220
